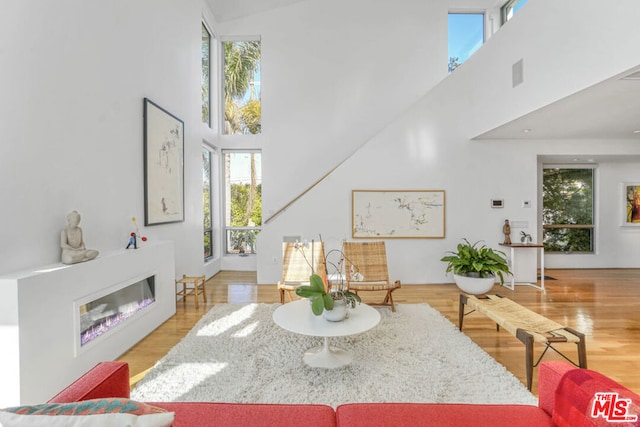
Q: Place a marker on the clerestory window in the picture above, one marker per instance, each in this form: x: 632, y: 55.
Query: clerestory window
x: 511, y: 8
x: 466, y: 35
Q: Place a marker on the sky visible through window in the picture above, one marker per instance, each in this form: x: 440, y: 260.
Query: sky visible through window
x: 518, y: 5
x: 466, y: 35
x: 240, y: 167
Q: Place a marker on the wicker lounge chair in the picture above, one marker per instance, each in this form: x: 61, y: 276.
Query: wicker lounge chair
x: 297, y: 265
x: 366, y: 270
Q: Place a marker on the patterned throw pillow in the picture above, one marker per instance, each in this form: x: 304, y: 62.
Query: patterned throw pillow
x: 96, y: 412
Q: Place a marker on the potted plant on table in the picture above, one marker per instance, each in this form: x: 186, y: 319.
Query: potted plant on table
x: 475, y: 267
x: 332, y: 304
x: 331, y: 301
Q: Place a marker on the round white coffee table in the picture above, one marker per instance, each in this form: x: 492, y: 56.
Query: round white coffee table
x: 297, y: 317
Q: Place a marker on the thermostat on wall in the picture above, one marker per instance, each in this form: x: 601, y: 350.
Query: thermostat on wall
x: 497, y: 203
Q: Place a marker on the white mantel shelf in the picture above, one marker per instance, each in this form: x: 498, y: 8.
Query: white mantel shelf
x: 39, y: 327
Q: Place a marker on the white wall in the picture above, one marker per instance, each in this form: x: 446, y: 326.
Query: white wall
x: 73, y: 75
x: 334, y: 73
x: 365, y: 79
x: 341, y: 83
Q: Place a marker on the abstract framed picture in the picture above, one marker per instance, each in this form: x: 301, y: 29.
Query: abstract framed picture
x: 631, y: 204
x: 402, y: 214
x: 163, y: 166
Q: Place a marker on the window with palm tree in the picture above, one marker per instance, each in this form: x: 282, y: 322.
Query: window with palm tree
x: 242, y: 115
x: 242, y: 108
x: 206, y: 80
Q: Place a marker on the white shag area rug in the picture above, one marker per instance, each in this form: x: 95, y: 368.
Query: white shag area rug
x: 236, y: 353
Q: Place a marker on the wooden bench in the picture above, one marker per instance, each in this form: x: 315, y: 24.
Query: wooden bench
x: 526, y: 325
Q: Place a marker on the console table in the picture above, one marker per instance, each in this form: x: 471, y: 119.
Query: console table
x: 41, y: 320
x: 532, y: 268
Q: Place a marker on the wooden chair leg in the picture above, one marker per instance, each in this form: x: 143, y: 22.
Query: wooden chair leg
x: 204, y: 289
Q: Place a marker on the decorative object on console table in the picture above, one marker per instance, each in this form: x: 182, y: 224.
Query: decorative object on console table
x: 506, y: 230
x: 398, y: 214
x: 475, y: 268
x: 524, y: 238
x: 72, y: 242
x: 133, y: 237
x: 163, y: 166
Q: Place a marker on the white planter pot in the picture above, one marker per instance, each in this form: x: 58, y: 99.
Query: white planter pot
x: 475, y: 285
x: 338, y: 313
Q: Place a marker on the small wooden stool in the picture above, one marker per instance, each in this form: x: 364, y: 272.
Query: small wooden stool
x: 199, y: 287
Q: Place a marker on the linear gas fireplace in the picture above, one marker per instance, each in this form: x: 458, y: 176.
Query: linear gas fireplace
x: 66, y: 318
x: 98, y: 316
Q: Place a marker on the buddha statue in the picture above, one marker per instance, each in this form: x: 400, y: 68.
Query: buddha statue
x: 71, y: 241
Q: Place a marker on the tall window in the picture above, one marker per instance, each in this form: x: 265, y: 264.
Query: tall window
x: 466, y: 35
x: 511, y: 8
x: 206, y: 75
x: 243, y: 200
x: 206, y: 196
x: 568, y: 209
x: 242, y: 106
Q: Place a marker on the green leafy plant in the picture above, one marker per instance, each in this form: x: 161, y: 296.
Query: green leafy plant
x: 525, y: 238
x: 477, y: 261
x: 316, y: 292
x: 321, y: 299
x: 323, y: 296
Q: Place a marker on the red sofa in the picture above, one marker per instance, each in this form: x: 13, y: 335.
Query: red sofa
x: 566, y: 396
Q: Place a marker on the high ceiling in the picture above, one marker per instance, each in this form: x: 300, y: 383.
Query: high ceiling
x: 608, y: 110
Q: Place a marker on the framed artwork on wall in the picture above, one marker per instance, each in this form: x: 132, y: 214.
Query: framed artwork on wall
x: 631, y: 204
x: 400, y: 214
x: 163, y: 166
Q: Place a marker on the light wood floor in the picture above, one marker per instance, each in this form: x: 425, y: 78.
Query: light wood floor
x: 603, y: 304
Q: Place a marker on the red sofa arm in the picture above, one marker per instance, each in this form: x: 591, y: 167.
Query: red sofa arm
x: 549, y: 375
x: 106, y: 379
